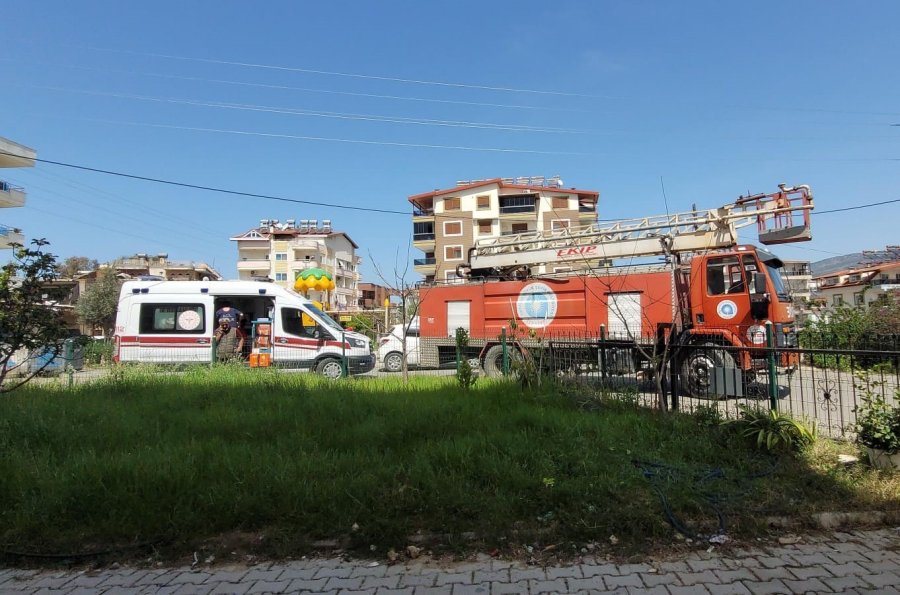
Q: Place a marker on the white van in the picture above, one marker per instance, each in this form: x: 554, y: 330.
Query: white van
x: 172, y: 322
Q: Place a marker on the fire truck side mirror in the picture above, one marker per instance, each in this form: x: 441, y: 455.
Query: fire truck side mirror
x: 759, y: 283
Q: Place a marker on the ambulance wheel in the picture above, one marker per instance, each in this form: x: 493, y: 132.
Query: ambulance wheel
x: 493, y: 360
x: 393, y: 362
x: 330, y: 368
x: 697, y: 368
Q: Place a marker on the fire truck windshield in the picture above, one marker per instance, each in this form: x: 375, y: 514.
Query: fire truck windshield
x: 778, y: 282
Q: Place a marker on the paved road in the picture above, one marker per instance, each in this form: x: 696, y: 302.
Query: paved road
x: 855, y: 562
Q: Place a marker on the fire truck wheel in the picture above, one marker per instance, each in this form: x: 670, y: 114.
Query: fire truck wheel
x: 393, y: 361
x: 330, y: 368
x: 697, y: 368
x: 493, y: 360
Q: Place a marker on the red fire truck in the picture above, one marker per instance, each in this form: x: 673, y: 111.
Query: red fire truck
x: 708, y: 300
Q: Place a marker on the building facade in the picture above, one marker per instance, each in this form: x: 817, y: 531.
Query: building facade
x: 281, y: 251
x: 143, y: 265
x: 12, y: 155
x: 446, y: 223
x: 372, y: 296
x: 797, y: 276
x: 859, y: 287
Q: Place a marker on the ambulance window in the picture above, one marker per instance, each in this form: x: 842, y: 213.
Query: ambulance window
x: 723, y: 275
x: 295, y: 322
x: 165, y: 319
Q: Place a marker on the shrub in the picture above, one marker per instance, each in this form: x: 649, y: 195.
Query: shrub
x: 773, y: 431
x: 877, y: 421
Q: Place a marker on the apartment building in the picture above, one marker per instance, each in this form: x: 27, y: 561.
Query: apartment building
x: 12, y: 154
x: 281, y: 251
x: 860, y: 286
x: 797, y: 276
x: 372, y: 296
x: 151, y: 265
x: 446, y: 223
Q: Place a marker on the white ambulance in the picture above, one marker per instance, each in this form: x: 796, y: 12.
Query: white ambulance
x: 173, y: 322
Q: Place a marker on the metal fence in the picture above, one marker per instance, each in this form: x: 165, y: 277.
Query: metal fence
x: 823, y: 380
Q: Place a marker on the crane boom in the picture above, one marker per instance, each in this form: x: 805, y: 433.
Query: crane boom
x: 780, y: 217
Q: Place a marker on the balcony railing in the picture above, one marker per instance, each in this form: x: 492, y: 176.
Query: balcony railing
x: 7, y: 187
x: 509, y: 232
x: 514, y: 209
x: 587, y: 208
x: 423, y: 237
x: 423, y: 212
x: 8, y: 231
x: 422, y: 262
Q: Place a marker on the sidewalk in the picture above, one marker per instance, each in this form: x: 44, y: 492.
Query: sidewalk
x: 860, y: 562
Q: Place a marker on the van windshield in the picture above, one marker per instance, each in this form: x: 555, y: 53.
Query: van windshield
x: 322, y: 316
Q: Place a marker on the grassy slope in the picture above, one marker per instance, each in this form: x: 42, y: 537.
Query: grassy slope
x: 184, y: 457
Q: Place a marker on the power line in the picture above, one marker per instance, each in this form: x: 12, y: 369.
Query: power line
x: 310, y: 202
x: 314, y: 113
x: 345, y: 74
x: 302, y: 89
x: 354, y: 141
x: 855, y: 207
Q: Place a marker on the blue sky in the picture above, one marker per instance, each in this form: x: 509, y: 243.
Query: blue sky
x: 715, y: 98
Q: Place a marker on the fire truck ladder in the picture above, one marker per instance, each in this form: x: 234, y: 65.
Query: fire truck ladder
x: 780, y: 217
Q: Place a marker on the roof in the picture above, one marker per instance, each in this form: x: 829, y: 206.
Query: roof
x: 500, y: 183
x: 263, y: 234
x: 874, y: 268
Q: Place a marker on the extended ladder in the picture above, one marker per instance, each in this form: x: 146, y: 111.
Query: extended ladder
x: 780, y: 217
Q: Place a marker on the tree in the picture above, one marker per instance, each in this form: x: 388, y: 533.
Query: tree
x: 74, y: 264
x: 97, y: 306
x: 409, y: 302
x: 26, y: 321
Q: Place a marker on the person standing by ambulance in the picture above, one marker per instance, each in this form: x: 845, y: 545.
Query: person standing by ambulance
x: 229, y: 342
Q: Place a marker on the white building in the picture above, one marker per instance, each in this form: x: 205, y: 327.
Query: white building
x: 860, y: 286
x: 13, y: 155
x: 281, y: 251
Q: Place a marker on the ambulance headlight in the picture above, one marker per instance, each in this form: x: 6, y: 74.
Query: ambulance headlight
x: 361, y: 343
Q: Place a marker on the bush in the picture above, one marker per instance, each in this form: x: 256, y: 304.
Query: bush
x: 773, y: 431
x: 877, y: 421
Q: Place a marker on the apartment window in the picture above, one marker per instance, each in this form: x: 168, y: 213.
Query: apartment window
x: 453, y: 228
x: 519, y: 227
x: 451, y: 204
x: 838, y: 300
x: 281, y: 276
x: 281, y: 256
x: 423, y: 230
x: 485, y: 228
x: 560, y: 202
x: 453, y: 253
x: 559, y: 224
x: 484, y: 202
x: 858, y: 299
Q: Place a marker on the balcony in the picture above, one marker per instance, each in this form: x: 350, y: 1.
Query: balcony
x: 11, y: 196
x: 419, y: 212
x: 424, y: 262
x: 10, y: 235
x: 308, y: 245
x: 587, y: 208
x: 253, y: 264
x: 12, y: 154
x: 302, y: 265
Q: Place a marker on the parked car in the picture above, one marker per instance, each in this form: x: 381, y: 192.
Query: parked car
x: 390, y: 348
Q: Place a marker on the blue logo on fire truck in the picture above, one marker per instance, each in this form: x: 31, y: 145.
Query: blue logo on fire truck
x: 727, y: 309
x: 536, y: 305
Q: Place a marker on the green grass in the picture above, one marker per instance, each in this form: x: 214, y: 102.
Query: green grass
x: 146, y: 455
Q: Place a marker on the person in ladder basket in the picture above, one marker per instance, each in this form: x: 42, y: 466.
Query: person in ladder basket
x: 229, y: 341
